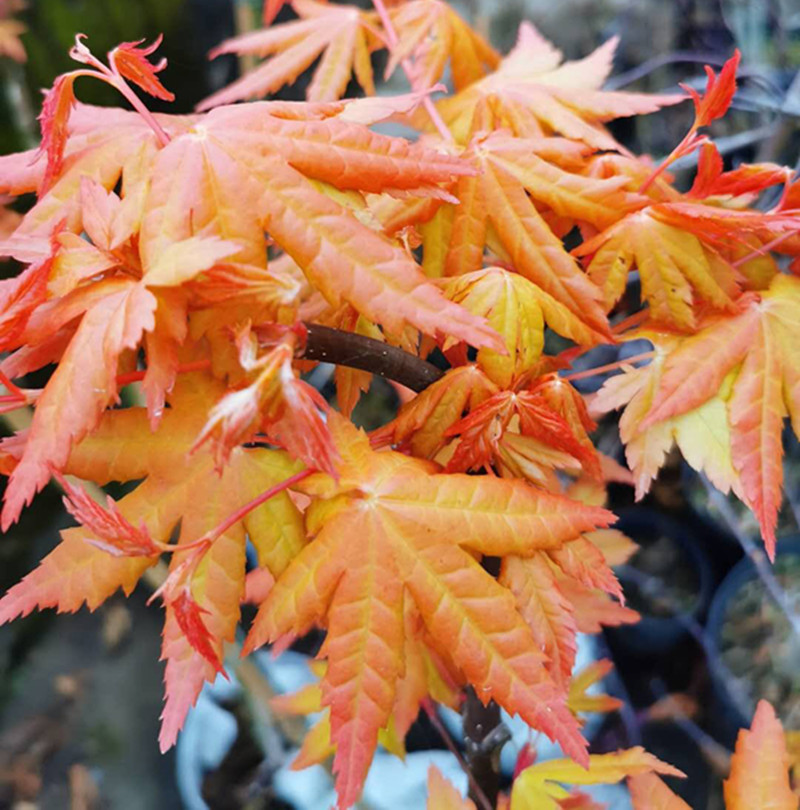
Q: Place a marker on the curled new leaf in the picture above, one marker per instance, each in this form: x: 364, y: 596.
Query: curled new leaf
x: 718, y: 94
x: 132, y: 63
x: 189, y: 616
x: 107, y: 527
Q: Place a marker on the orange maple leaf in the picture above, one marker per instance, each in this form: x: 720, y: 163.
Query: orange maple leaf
x: 394, y: 525
x: 758, y: 346
x: 123, y: 448
x: 425, y: 677
x: 95, y: 322
x: 549, y: 422
x: 719, y: 92
x: 702, y: 434
x: 745, y: 179
x: 261, y: 159
x: 342, y: 34
x: 432, y: 35
x: 533, y: 94
x: 421, y: 425
x: 109, y: 528
x: 648, y: 792
x: 495, y: 209
x: 287, y: 409
x: 674, y: 265
x: 131, y: 61
x: 517, y: 309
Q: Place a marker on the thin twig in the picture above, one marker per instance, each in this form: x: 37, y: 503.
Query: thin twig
x: 236, y: 516
x: 631, y: 321
x: 617, y: 364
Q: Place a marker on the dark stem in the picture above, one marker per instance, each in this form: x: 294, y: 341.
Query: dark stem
x: 484, y: 737
x: 356, y: 351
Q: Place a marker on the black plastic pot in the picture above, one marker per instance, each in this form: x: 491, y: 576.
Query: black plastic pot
x: 658, y: 634
x: 734, y: 705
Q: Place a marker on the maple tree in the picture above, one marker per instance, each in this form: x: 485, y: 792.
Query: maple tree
x: 201, y: 263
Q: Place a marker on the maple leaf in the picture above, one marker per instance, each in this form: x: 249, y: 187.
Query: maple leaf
x: 123, y: 448
x: 720, y: 226
x: 128, y: 62
x: 19, y: 297
x: 511, y: 306
x: 342, y: 34
x: 674, y: 265
x: 538, y: 787
x: 544, y: 424
x: 261, y: 159
x: 342, y: 258
x: 84, y: 383
x: 132, y: 63
x: 442, y: 795
x: 541, y: 586
x: 648, y: 792
x: 188, y: 616
x: 393, y: 525
x: 759, y: 778
x: 713, y: 104
x: 114, y: 313
x: 58, y: 103
x: 422, y: 424
x: 745, y: 179
x: 702, y: 434
x: 432, y: 34
x: 517, y: 309
x: 498, y: 199
x: 719, y: 92
x: 110, y: 530
x: 534, y: 94
x: 756, y: 346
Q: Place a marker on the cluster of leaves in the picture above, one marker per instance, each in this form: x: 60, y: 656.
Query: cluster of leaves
x: 180, y: 257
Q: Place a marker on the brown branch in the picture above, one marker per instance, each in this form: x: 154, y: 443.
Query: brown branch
x: 329, y: 345
x: 484, y: 737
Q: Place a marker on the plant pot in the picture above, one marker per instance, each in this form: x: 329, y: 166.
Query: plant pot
x: 708, y: 507
x: 669, y: 581
x: 752, y: 649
